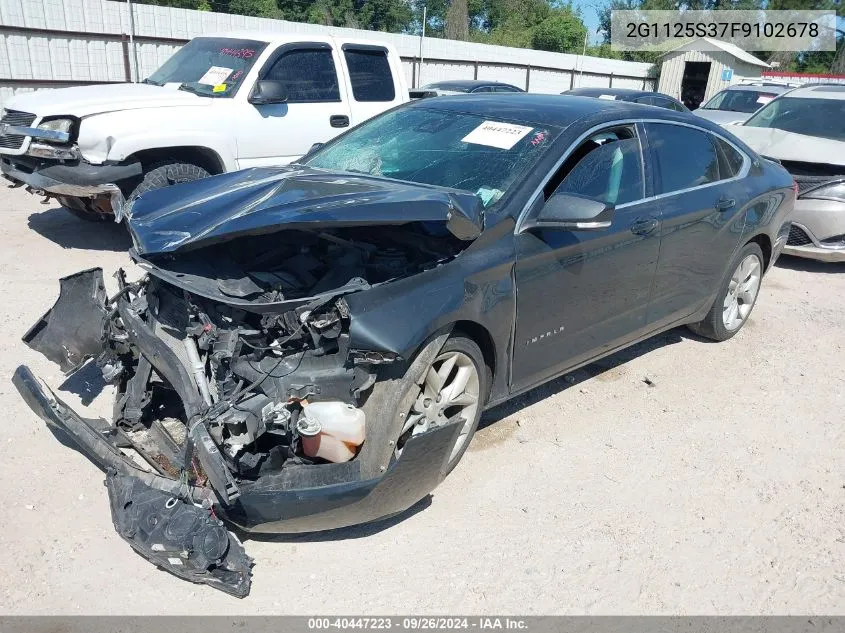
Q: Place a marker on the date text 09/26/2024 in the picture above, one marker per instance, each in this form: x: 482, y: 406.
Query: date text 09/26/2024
x: 413, y: 623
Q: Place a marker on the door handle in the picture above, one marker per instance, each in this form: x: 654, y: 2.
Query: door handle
x: 339, y: 120
x: 723, y: 204
x: 643, y: 226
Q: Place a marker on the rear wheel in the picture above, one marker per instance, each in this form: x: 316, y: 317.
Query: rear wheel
x: 737, y: 296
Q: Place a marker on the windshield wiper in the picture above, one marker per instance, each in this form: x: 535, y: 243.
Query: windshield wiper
x: 192, y: 89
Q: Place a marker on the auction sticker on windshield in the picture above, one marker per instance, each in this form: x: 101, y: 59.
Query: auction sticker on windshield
x: 495, y: 134
x: 215, y: 75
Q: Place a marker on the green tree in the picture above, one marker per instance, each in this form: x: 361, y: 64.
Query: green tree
x: 561, y: 32
x: 256, y: 8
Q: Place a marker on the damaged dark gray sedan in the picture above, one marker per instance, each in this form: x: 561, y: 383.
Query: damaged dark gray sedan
x: 312, y: 346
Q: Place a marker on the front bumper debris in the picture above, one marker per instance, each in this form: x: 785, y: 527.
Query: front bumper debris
x: 183, y: 538
x: 150, y: 512
x: 73, y: 329
x: 81, y: 180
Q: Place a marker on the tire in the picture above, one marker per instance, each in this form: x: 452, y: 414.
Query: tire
x: 469, y: 347
x: 396, y: 399
x: 164, y: 174
x: 84, y: 209
x: 718, y: 324
x: 468, y: 360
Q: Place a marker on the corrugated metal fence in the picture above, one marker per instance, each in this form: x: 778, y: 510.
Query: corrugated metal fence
x: 59, y: 43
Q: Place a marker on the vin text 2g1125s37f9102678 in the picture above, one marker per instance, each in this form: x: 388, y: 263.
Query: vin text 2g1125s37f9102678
x: 312, y: 345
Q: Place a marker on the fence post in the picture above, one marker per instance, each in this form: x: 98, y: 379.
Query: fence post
x: 132, y: 39
x: 571, y: 78
x: 527, y: 77
x: 475, y: 69
x: 127, y: 68
x: 611, y: 81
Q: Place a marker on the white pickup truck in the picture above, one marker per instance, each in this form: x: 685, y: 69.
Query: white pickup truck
x: 219, y: 104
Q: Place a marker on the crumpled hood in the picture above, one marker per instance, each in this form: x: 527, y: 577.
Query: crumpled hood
x: 265, y: 200
x: 783, y: 145
x: 88, y: 100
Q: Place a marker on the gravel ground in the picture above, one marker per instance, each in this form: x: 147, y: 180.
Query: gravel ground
x: 719, y: 488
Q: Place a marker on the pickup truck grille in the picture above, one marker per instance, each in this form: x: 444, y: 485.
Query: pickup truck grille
x: 14, y: 117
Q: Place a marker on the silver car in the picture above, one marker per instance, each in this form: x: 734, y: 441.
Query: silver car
x: 736, y: 103
x: 804, y: 130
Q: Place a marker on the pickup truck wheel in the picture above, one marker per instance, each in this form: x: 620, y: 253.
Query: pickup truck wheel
x: 84, y: 209
x: 166, y: 173
x: 736, y: 298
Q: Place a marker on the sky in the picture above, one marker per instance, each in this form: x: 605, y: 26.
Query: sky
x: 590, y: 15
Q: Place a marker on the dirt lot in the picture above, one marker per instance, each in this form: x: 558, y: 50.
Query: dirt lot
x: 720, y: 488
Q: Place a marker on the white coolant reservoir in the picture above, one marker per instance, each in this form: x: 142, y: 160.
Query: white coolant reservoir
x: 331, y: 430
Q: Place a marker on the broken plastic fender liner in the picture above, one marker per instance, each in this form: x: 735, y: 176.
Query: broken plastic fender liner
x: 72, y: 330
x: 179, y: 537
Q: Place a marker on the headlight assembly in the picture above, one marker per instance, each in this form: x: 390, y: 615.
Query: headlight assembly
x: 57, y: 129
x: 833, y: 191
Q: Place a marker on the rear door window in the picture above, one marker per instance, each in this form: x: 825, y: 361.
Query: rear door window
x: 684, y: 157
x: 730, y: 159
x: 309, y: 75
x: 369, y: 71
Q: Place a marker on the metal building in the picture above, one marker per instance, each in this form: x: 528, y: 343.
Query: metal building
x: 696, y: 71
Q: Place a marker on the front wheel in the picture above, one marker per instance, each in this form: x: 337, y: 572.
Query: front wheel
x: 455, y: 385
x: 448, y: 377
x: 736, y: 298
x: 166, y: 173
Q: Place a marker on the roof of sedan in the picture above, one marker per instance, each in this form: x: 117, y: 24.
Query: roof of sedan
x: 616, y: 92
x: 465, y: 83
x: 555, y: 110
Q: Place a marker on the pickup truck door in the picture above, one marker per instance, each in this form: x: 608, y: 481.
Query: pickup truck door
x: 317, y: 107
x: 374, y: 74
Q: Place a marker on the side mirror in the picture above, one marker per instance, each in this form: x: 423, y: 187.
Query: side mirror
x: 267, y: 91
x: 572, y: 212
x: 314, y: 148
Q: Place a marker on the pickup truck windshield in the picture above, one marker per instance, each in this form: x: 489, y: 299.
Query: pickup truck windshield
x: 209, y: 66
x: 440, y: 147
x: 812, y: 117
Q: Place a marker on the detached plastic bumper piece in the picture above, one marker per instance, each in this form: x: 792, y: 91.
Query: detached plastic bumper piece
x: 184, y: 539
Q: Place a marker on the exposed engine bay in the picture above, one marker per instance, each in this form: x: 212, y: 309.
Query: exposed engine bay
x: 272, y: 388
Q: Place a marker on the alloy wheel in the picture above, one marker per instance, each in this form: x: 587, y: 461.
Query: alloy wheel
x: 450, y: 388
x: 742, y: 292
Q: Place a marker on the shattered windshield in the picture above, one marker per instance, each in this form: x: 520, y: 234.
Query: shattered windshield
x: 209, y: 66
x: 440, y: 147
